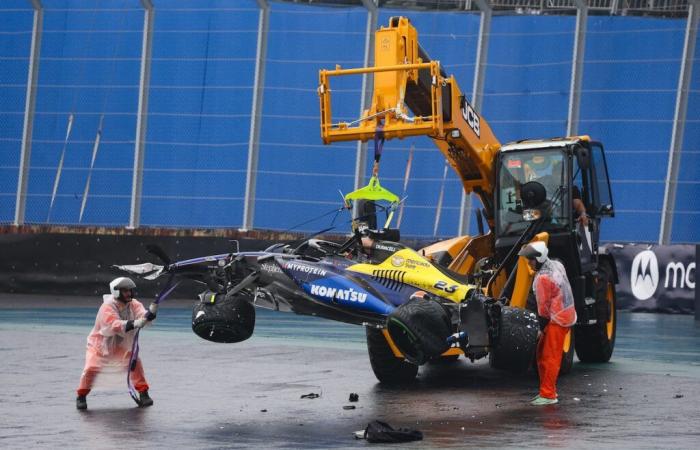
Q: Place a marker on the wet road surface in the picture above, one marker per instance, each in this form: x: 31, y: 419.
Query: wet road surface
x: 247, y: 395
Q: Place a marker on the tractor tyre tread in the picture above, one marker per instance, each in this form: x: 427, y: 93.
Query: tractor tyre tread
x: 516, y: 342
x: 592, y: 342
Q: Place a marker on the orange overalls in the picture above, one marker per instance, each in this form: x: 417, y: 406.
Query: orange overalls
x: 555, y: 302
x: 109, y: 345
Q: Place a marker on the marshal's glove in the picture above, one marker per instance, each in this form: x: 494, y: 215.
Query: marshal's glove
x: 134, y: 324
x: 152, y: 311
x: 543, y: 322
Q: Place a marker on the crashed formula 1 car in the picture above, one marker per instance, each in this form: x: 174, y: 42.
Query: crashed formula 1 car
x: 414, y: 310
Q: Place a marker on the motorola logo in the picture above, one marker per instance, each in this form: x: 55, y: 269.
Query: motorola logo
x: 644, y: 276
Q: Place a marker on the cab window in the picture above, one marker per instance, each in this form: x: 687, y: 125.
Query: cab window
x: 603, y: 197
x: 547, y: 167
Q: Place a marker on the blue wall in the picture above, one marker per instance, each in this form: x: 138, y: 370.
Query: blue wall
x: 528, y: 76
x: 199, y: 113
x: 200, y: 98
x: 627, y: 102
x: 299, y: 177
x: 89, y: 66
x: 686, y: 220
x: 15, y: 40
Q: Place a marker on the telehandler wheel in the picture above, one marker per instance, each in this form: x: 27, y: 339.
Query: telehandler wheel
x: 515, y: 345
x: 595, y: 343
x: 420, y: 328
x: 386, y: 366
x: 567, y: 357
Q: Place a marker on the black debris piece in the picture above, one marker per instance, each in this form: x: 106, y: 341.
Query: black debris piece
x: 349, y: 407
x: 263, y: 410
x: 678, y: 396
x: 382, y: 432
x: 310, y: 395
x: 354, y: 397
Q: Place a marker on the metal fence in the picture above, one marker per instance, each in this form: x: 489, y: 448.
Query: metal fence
x: 204, y: 114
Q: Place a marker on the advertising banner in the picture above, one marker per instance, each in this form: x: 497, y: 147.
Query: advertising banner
x: 658, y: 278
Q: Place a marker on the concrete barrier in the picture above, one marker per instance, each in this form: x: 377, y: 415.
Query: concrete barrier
x: 81, y: 264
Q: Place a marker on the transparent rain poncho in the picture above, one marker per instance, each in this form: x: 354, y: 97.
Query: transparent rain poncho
x: 555, y: 300
x: 109, y: 344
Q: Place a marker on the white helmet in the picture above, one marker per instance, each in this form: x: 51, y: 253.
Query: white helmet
x: 535, y: 250
x: 120, y: 283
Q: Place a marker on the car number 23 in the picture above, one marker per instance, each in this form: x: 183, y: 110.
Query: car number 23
x: 443, y: 286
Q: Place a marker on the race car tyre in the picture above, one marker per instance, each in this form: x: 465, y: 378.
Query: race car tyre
x: 226, y: 319
x: 420, y: 328
x: 386, y: 366
x: 515, y: 344
x: 567, y: 357
x: 595, y: 343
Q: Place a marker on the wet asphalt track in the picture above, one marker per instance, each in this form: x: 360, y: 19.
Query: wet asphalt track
x: 248, y: 395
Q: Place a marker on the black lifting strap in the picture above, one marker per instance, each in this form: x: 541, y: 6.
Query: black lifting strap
x: 378, y: 146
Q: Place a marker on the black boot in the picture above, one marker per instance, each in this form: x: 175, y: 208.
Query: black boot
x: 81, y: 402
x: 144, y: 399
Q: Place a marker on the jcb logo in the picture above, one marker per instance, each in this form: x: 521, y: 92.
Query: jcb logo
x: 471, y: 117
